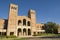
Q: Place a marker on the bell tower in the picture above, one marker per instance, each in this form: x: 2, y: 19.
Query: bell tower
x: 32, y: 16
x: 12, y: 20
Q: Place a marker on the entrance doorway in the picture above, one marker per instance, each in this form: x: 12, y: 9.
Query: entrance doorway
x: 19, y: 32
x: 24, y: 31
x: 29, y: 32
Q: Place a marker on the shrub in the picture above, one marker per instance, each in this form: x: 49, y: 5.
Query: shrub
x: 12, y: 36
x: 2, y: 36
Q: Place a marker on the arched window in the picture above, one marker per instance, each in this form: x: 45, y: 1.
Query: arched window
x: 24, y: 22
x: 19, y: 21
x: 28, y: 23
x: 29, y: 32
x: 24, y: 30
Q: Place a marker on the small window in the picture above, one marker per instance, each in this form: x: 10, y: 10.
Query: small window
x: 34, y: 33
x: 38, y: 32
x: 0, y: 33
x: 28, y: 23
x: 11, y: 33
x: 19, y: 22
x: 24, y: 22
x: 3, y: 33
x: 13, y: 8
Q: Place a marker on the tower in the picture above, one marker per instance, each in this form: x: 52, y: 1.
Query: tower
x: 32, y: 16
x: 12, y: 20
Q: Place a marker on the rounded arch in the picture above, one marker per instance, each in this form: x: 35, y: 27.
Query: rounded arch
x: 24, y: 31
x: 24, y: 22
x: 19, y: 31
x: 19, y: 21
x: 29, y: 32
x: 34, y: 33
x: 28, y: 23
x: 38, y: 32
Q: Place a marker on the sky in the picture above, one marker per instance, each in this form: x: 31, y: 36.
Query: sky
x: 46, y: 10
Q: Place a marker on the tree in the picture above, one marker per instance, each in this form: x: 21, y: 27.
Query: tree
x: 51, y: 27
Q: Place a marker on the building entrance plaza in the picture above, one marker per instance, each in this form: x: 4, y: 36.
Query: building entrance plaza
x: 20, y: 25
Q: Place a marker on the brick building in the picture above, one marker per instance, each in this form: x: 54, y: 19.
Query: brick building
x: 20, y: 25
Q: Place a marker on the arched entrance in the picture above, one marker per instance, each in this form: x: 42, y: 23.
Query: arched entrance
x: 29, y: 32
x: 24, y: 31
x: 19, y: 32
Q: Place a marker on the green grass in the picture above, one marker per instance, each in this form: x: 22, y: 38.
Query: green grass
x: 2, y: 37
x: 44, y: 34
x: 16, y: 38
x: 11, y: 36
x: 13, y: 39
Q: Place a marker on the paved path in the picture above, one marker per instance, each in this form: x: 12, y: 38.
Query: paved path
x: 42, y: 38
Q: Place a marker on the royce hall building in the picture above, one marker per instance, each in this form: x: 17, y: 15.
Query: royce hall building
x: 20, y: 25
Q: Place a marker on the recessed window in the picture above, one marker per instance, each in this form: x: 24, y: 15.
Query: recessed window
x: 24, y: 22
x: 38, y: 32
x: 0, y: 33
x: 34, y: 33
x: 13, y: 8
x: 11, y: 33
x: 28, y: 23
x: 19, y: 22
x: 3, y: 33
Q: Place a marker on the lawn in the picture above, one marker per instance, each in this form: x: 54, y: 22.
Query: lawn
x: 44, y: 34
x: 16, y: 38
x: 13, y: 39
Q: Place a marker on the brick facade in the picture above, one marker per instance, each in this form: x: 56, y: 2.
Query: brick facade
x: 20, y: 25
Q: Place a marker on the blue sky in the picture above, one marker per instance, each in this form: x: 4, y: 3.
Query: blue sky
x: 46, y: 10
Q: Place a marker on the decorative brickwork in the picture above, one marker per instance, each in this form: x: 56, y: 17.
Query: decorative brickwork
x: 20, y: 25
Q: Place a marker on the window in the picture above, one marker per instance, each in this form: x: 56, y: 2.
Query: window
x: 24, y: 30
x: 19, y: 22
x: 11, y: 33
x: 0, y: 33
x: 28, y: 23
x: 13, y: 8
x: 34, y: 33
x: 3, y: 33
x: 24, y: 22
x: 38, y: 32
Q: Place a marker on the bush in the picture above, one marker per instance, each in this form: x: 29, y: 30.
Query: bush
x: 35, y: 35
x: 58, y: 35
x: 2, y: 36
x: 47, y: 34
x: 11, y: 36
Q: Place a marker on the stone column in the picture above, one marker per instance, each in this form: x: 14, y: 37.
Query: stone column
x: 22, y: 32
x: 27, y: 32
x: 15, y: 32
x: 22, y: 28
x: 26, y: 29
x: 26, y: 23
x: 22, y: 23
